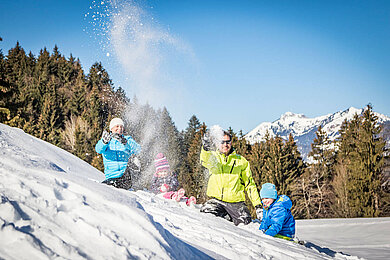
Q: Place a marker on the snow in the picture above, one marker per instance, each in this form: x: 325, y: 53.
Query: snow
x: 216, y: 135
x: 53, y: 206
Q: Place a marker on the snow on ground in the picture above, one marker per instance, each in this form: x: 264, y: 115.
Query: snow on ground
x: 54, y: 206
x: 365, y: 237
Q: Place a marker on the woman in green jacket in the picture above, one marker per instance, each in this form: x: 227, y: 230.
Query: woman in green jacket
x: 230, y: 175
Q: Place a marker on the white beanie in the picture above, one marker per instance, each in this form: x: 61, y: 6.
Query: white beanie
x: 116, y: 121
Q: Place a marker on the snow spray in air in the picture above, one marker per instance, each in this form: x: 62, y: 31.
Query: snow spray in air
x: 216, y: 136
x: 144, y: 51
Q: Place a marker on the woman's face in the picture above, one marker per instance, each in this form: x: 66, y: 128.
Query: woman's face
x: 118, y: 129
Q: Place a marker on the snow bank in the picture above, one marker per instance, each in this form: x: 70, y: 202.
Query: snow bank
x: 54, y: 206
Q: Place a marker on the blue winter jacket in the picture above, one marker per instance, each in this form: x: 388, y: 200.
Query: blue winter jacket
x: 277, y: 219
x: 116, y: 155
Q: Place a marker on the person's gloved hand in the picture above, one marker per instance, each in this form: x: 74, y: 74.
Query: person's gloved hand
x: 137, y: 162
x: 259, y: 212
x: 120, y: 138
x: 106, y: 137
x: 206, y: 141
x: 164, y: 188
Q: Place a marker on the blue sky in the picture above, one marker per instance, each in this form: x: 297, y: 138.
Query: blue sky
x: 231, y: 63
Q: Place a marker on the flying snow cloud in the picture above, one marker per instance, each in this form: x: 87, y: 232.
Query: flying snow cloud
x: 145, y: 50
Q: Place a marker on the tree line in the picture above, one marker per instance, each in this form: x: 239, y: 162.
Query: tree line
x: 52, y: 98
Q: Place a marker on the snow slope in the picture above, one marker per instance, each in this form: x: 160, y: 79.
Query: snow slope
x: 53, y: 206
x: 303, y: 128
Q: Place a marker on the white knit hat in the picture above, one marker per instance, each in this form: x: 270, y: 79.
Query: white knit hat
x: 116, y: 121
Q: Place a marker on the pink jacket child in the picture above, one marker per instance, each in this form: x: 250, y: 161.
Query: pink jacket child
x: 165, y: 181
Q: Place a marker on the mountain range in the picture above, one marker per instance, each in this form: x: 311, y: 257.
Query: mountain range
x: 303, y: 129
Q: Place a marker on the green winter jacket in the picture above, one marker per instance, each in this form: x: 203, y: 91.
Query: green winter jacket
x: 229, y: 177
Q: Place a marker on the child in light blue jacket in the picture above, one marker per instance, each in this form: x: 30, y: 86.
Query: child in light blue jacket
x: 277, y: 218
x: 116, y: 149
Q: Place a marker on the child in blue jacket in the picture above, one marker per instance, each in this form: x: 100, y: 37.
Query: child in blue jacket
x: 116, y: 149
x: 277, y: 218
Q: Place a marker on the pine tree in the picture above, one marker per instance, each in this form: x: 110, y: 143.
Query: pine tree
x: 294, y: 166
x: 169, y: 140
x: 241, y: 145
x: 50, y: 120
x: 5, y: 90
x: 187, y: 137
x: 189, y: 133
x: 360, y: 159
x: 316, y: 180
x: 15, y: 66
x: 194, y: 177
x: 371, y: 154
x: 282, y: 165
x: 257, y: 159
x: 273, y: 171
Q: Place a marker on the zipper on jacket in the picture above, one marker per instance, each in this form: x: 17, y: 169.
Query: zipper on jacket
x: 231, y: 170
x: 222, y: 194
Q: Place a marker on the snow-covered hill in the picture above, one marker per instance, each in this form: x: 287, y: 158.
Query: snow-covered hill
x: 303, y: 129
x: 53, y: 206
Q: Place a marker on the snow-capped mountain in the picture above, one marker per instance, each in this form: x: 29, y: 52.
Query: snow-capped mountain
x: 303, y: 128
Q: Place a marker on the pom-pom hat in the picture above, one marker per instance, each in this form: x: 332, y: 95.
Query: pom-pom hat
x: 161, y: 163
x: 268, y: 191
x: 116, y: 121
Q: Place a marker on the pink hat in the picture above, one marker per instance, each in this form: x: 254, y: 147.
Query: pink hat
x: 161, y: 163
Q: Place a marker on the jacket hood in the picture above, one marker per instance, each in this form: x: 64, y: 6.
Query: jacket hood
x: 283, y: 200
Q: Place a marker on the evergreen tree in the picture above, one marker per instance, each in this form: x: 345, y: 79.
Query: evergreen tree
x: 195, y: 177
x: 5, y: 90
x: 169, y: 140
x: 283, y: 166
x: 15, y: 66
x: 316, y: 180
x: 50, y: 120
x: 294, y: 166
x: 189, y: 133
x: 361, y: 157
x: 257, y: 159
x: 190, y: 167
x: 241, y: 145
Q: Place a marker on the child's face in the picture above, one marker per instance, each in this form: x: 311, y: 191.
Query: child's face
x: 267, y: 202
x: 118, y: 129
x: 163, y: 173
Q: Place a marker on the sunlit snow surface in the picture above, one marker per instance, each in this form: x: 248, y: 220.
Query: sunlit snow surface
x: 53, y: 206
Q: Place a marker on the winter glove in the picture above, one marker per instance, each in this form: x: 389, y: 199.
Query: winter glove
x: 120, y: 138
x: 259, y: 212
x: 137, y: 162
x: 206, y: 141
x: 164, y: 188
x: 134, y: 164
x: 106, y: 137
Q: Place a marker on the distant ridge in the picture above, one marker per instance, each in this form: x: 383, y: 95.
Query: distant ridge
x: 303, y: 128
